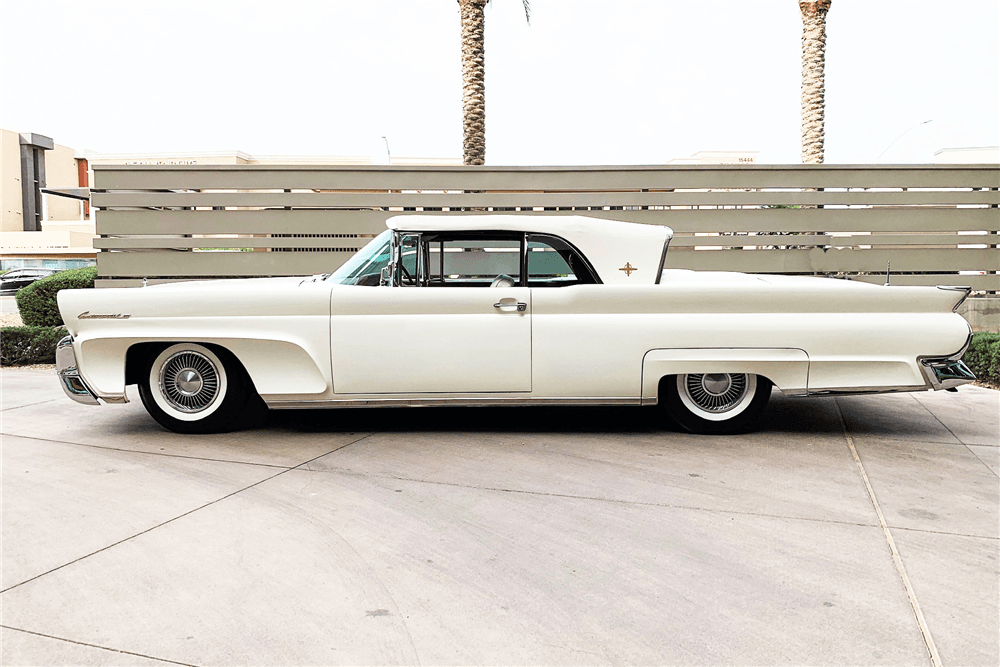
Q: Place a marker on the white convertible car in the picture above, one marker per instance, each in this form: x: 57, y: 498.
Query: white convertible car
x: 506, y: 310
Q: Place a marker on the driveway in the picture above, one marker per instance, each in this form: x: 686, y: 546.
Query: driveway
x: 502, y: 536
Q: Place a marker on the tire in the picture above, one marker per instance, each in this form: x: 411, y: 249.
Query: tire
x: 189, y: 388
x: 716, y: 403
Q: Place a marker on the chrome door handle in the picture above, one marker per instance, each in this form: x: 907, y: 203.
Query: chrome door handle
x: 521, y: 306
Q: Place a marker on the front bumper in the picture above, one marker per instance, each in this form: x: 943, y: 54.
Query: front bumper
x: 69, y: 374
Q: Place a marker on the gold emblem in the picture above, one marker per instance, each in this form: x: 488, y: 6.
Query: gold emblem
x: 628, y: 269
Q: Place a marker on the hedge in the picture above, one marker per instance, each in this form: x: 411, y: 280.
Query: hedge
x: 37, y: 301
x: 20, y: 346
x: 983, y: 357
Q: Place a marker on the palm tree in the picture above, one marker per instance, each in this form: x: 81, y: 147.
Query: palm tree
x: 813, y: 89
x: 474, y: 78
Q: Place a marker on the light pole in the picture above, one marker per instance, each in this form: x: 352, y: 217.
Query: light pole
x: 387, y: 153
x: 900, y: 137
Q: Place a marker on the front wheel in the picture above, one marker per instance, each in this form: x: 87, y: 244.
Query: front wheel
x: 716, y: 403
x: 189, y: 388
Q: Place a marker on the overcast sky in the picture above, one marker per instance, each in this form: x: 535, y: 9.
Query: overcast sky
x: 588, y: 82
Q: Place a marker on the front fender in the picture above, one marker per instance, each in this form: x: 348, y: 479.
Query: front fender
x: 277, y: 367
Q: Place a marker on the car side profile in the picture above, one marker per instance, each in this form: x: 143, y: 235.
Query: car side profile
x: 506, y: 310
x: 15, y: 279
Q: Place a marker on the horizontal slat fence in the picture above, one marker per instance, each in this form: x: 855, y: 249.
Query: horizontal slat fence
x: 935, y: 224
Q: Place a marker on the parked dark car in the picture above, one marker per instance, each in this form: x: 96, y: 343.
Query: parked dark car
x: 15, y: 279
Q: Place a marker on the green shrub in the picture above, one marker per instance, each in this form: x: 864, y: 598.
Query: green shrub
x: 37, y: 301
x: 20, y: 346
x: 983, y: 357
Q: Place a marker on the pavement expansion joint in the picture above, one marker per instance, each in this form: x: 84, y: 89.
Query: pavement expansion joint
x: 141, y: 451
x: 28, y: 405
x: 98, y: 646
x: 945, y: 532
x: 179, y: 516
x: 918, y: 614
x: 947, y: 428
x: 618, y: 501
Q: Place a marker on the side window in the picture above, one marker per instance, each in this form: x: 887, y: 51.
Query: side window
x: 554, y: 263
x: 471, y: 262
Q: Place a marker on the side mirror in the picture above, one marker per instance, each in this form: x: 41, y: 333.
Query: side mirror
x: 384, y: 276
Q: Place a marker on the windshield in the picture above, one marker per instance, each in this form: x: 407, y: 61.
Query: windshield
x: 365, y: 267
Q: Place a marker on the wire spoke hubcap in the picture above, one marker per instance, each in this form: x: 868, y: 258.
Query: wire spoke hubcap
x: 716, y: 392
x: 189, y: 381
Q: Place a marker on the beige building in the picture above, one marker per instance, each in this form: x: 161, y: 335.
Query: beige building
x: 38, y: 229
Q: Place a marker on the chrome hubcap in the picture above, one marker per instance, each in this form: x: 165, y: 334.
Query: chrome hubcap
x: 716, y: 392
x: 189, y: 381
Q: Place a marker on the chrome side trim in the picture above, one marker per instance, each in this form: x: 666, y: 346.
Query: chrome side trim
x: 663, y: 259
x: 957, y: 288
x: 69, y: 374
x: 323, y: 404
x: 848, y: 391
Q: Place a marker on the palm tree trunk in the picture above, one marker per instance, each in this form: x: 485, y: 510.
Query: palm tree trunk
x: 473, y: 81
x: 813, y: 74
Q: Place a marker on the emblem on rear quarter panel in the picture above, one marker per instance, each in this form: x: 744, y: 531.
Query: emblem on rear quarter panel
x: 628, y: 269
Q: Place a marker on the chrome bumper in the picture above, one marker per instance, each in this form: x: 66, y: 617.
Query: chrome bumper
x: 69, y: 375
x: 948, y: 372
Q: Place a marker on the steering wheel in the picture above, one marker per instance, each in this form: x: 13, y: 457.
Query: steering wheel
x: 503, y: 280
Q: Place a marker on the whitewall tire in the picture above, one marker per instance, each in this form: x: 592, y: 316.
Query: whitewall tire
x: 715, y: 403
x: 192, y: 388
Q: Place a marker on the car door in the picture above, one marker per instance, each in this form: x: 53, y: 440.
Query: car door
x: 444, y: 329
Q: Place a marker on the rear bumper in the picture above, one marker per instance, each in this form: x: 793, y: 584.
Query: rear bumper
x: 948, y: 372
x: 69, y: 374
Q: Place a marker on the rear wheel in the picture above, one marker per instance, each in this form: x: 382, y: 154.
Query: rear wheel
x: 189, y: 388
x: 716, y: 403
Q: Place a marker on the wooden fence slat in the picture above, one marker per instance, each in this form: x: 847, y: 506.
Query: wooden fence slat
x: 836, y: 241
x: 599, y: 178
x: 835, y: 260
x: 166, y: 263
x: 311, y: 221
x: 153, y: 242
x: 275, y: 221
x: 369, y: 200
x: 160, y: 242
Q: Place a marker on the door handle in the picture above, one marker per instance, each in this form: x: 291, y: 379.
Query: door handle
x: 521, y: 306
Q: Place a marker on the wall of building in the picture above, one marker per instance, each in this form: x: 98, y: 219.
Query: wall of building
x: 60, y: 172
x: 10, y: 179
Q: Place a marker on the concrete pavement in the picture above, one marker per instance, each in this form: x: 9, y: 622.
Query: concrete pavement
x: 499, y: 536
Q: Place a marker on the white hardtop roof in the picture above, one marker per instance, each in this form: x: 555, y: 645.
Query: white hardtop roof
x: 622, y: 252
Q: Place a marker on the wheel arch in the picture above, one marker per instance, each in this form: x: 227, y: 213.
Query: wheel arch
x: 785, y: 368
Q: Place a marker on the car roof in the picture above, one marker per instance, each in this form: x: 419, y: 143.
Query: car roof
x: 621, y: 252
